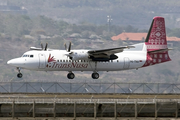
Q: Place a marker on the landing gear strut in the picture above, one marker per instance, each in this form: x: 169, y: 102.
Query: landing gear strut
x: 19, y: 75
x: 70, y: 75
x: 95, y: 75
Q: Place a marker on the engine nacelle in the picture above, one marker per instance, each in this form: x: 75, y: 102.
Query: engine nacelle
x: 83, y: 55
x: 103, y: 58
x: 79, y: 55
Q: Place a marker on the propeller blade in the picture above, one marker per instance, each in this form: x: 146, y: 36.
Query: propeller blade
x: 65, y: 46
x: 69, y: 49
x: 46, y: 47
x: 41, y: 46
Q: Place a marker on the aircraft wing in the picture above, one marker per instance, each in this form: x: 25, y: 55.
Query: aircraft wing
x: 109, y: 51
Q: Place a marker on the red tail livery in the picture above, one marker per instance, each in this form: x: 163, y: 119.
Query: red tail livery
x: 156, y: 43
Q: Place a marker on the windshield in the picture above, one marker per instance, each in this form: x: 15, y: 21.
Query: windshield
x: 28, y: 55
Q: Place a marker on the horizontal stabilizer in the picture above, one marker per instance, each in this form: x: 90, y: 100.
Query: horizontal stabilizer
x: 158, y: 51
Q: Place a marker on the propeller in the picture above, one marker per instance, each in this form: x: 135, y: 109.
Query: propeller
x: 69, y: 48
x: 65, y: 46
x: 42, y: 47
x: 45, y: 47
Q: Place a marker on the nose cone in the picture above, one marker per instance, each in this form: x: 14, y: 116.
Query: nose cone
x: 17, y: 62
x: 9, y: 62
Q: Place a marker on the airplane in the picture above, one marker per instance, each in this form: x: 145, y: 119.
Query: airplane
x: 153, y: 51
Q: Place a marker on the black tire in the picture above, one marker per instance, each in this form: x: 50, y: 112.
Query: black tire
x: 95, y: 75
x: 70, y: 76
x: 19, y: 75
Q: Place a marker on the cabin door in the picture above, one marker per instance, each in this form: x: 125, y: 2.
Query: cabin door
x: 42, y: 61
x: 126, y: 63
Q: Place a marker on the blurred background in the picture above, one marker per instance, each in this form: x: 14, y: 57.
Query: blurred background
x: 88, y: 24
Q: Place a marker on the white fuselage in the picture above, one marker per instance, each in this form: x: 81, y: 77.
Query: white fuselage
x: 153, y: 51
x: 57, y: 60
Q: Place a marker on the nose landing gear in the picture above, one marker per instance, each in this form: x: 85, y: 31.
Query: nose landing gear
x: 19, y: 75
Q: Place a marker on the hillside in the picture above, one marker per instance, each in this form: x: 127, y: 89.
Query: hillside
x: 19, y: 32
x: 137, y: 13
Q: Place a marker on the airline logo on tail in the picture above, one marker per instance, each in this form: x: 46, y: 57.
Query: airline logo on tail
x: 156, y: 38
x: 156, y: 43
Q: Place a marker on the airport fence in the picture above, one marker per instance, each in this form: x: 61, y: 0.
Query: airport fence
x: 88, y: 87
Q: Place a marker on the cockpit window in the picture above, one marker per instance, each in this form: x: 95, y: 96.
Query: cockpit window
x: 28, y: 56
x: 24, y: 55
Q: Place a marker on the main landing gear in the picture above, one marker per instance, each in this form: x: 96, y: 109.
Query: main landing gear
x: 19, y: 75
x: 71, y: 75
x: 95, y: 75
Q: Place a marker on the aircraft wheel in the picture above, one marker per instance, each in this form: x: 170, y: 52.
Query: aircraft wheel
x: 70, y: 75
x: 19, y: 75
x: 95, y: 75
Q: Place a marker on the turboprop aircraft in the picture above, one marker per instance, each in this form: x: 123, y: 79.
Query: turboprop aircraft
x: 153, y: 51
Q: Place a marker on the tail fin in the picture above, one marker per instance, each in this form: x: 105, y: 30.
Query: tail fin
x: 156, y: 43
x: 156, y: 38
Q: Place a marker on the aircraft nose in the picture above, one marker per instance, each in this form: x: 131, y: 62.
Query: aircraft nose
x: 16, y: 62
x: 12, y: 62
x: 9, y: 62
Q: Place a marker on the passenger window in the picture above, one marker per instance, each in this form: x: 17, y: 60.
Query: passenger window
x: 31, y: 56
x: 63, y: 60
x: 60, y: 60
x: 66, y: 60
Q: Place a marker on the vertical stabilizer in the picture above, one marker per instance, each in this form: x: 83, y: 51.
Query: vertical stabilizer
x: 156, y: 38
x: 156, y: 43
